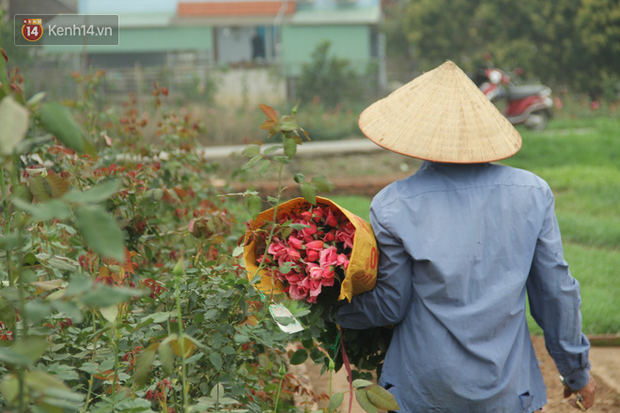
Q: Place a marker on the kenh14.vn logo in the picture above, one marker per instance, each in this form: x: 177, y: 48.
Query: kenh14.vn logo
x: 32, y: 29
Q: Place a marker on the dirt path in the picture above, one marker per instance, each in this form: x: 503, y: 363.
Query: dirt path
x: 606, y: 371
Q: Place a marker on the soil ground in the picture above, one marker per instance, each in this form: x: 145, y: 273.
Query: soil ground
x: 602, y: 359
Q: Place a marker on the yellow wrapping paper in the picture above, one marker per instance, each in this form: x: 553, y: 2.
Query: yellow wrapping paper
x: 361, y: 274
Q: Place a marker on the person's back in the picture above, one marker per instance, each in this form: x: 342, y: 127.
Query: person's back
x: 471, y: 231
x: 461, y: 242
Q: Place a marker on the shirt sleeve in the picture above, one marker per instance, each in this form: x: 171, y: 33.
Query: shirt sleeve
x: 554, y: 297
x: 389, y: 301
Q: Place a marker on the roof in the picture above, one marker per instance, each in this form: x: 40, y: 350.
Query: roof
x: 235, y: 8
x: 338, y: 15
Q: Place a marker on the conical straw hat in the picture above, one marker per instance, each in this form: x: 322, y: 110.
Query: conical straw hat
x: 441, y: 116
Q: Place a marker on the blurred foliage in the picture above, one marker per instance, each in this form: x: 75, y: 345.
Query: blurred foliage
x: 328, y: 79
x: 559, y: 42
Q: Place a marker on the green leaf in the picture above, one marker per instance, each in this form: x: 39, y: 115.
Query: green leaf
x: 36, y: 311
x: 359, y: 383
x: 68, y: 308
x: 335, y: 401
x: 109, y: 313
x: 253, y: 204
x: 299, y: 357
x: 251, y: 150
x: 290, y: 147
x: 271, y: 149
x: 157, y: 318
x: 144, y: 363
x: 7, y: 313
x: 322, y: 184
x: 35, y: 100
x: 14, y: 123
x: 93, y: 195
x: 45, y: 211
x: 101, y: 232
x: 57, y: 120
x: 42, y: 382
x: 361, y: 395
x: 105, y: 296
x: 24, y: 352
x: 216, y: 360
x: 288, y: 123
x: 38, y: 189
x: 249, y: 164
x: 308, y: 192
x: 11, y: 357
x: 299, y: 178
x: 6, y: 243
x: 382, y: 398
x: 166, y: 357
x: 9, y: 387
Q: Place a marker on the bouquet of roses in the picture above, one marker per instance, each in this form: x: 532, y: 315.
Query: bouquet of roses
x: 307, y: 247
x: 318, y: 255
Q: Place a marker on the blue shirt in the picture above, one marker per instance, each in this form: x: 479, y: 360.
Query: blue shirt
x: 460, y: 247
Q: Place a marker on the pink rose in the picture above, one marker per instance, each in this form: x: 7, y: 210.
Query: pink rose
x: 330, y: 219
x: 328, y: 257
x: 314, y: 271
x: 313, y: 249
x: 298, y: 291
x: 343, y: 261
x: 317, y: 214
x: 313, y: 287
x: 294, y: 242
x: 308, y: 232
x: 328, y: 276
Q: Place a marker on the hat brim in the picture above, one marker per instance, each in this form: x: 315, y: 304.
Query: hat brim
x: 441, y: 116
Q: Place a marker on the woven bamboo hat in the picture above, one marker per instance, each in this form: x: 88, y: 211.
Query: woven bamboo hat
x: 441, y: 116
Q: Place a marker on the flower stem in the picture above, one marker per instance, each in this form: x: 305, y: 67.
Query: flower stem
x: 182, y: 345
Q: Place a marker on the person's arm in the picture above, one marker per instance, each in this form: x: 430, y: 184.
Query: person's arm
x: 555, y: 301
x: 388, y: 302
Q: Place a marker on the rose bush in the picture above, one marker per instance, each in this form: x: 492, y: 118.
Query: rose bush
x: 122, y: 287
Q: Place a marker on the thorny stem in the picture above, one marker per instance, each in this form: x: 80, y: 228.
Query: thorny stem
x: 115, y: 379
x: 7, y: 225
x: 282, y: 374
x: 92, y: 376
x: 182, y: 345
x: 280, y: 169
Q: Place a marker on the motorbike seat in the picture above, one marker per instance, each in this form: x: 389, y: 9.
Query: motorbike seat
x: 520, y: 92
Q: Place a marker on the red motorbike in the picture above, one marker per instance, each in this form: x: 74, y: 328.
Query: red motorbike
x: 529, y: 105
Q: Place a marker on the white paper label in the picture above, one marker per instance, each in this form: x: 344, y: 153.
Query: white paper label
x: 285, y: 320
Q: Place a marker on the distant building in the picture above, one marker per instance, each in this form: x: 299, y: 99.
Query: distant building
x: 238, y: 34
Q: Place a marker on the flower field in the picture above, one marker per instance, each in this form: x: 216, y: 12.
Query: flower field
x: 122, y: 280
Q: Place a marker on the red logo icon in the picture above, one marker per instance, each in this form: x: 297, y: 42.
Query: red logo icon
x: 32, y: 29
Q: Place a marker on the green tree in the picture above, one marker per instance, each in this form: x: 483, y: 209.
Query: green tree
x: 441, y: 29
x: 598, y: 24
x: 561, y: 42
x: 330, y: 78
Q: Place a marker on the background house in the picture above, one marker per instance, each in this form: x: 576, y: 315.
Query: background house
x: 261, y: 44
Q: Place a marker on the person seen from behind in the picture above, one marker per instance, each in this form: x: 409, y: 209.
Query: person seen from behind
x: 463, y: 242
